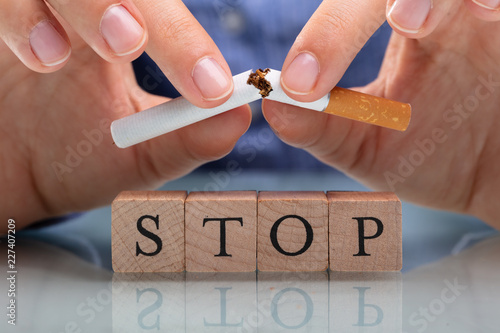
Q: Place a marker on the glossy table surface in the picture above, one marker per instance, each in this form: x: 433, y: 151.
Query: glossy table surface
x: 450, y: 280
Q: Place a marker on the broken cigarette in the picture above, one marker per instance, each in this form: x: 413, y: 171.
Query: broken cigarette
x: 177, y: 113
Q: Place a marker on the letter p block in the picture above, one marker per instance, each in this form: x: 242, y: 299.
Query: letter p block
x: 365, y: 231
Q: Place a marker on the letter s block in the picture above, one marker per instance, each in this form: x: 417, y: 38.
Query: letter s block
x: 292, y: 231
x: 148, y: 231
x: 365, y: 231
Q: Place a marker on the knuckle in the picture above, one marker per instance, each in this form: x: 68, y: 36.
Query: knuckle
x: 339, y: 20
x: 178, y: 27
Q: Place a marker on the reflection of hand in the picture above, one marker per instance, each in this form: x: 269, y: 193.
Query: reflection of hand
x: 45, y: 116
x: 451, y: 75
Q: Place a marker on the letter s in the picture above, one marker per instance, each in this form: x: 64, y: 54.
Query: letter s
x: 149, y: 235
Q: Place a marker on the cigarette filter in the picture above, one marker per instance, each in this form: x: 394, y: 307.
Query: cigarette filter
x: 369, y: 109
x: 178, y: 112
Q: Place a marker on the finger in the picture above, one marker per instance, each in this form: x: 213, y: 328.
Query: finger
x: 177, y: 153
x: 34, y: 35
x: 114, y: 29
x: 186, y: 53
x: 417, y: 19
x: 327, y: 44
x: 320, y: 134
x: 488, y: 10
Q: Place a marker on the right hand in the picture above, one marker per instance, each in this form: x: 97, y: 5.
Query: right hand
x: 44, y: 116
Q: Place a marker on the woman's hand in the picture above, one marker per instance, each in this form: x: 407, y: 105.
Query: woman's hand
x: 56, y: 153
x: 444, y: 59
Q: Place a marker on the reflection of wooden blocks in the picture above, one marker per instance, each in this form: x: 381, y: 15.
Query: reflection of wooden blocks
x: 221, y: 302
x: 148, y: 231
x: 297, y: 301
x: 365, y: 302
x: 365, y: 231
x: 221, y: 231
x: 148, y: 302
x: 292, y: 231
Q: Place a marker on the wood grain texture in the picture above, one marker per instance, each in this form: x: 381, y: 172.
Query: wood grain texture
x: 350, y: 211
x: 284, y: 242
x: 206, y: 250
x: 149, y: 207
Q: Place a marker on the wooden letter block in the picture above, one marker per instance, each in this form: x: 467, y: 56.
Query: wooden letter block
x: 221, y: 231
x: 292, y: 231
x: 148, y: 231
x: 365, y: 231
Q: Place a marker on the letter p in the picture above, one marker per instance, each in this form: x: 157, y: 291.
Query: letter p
x: 362, y: 236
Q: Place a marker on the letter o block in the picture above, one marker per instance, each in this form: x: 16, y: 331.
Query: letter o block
x: 292, y: 231
x: 148, y: 231
x: 365, y: 231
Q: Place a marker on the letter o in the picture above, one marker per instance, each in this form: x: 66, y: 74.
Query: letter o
x: 211, y: 187
x: 266, y: 136
x: 471, y: 103
x: 416, y: 158
x: 309, y: 308
x: 80, y: 148
x: 309, y: 235
x: 437, y: 306
x: 104, y: 297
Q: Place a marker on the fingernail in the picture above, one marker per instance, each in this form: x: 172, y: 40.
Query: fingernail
x: 488, y: 4
x: 121, y: 31
x: 48, y: 45
x: 211, y: 79
x: 409, y: 15
x: 302, y: 74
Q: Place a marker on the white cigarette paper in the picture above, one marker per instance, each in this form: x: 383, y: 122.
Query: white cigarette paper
x: 177, y: 113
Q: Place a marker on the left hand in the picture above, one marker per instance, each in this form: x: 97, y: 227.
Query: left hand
x: 444, y: 60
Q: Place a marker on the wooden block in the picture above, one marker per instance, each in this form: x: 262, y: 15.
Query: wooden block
x: 292, y: 231
x: 365, y: 231
x: 221, y: 231
x: 148, y: 231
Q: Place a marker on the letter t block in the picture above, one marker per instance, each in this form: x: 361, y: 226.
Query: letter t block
x: 221, y: 231
x: 365, y: 231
